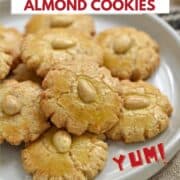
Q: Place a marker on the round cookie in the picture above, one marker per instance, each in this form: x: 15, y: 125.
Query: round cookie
x: 22, y: 73
x: 145, y: 113
x: 21, y: 119
x: 10, y: 43
x: 80, y: 96
x: 81, y: 23
x: 129, y: 53
x: 46, y: 49
x: 59, y: 155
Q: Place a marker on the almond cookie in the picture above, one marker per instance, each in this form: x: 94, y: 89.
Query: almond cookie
x: 81, y: 97
x: 44, y: 50
x: 22, y: 73
x: 81, y: 23
x: 10, y: 43
x: 145, y: 113
x: 59, y: 155
x: 21, y: 119
x: 129, y: 53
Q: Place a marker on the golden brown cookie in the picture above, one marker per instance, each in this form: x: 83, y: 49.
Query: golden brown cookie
x: 22, y: 73
x: 21, y: 119
x: 129, y: 53
x: 81, y: 97
x: 44, y: 50
x: 10, y: 43
x: 59, y: 155
x: 145, y: 113
x: 81, y: 23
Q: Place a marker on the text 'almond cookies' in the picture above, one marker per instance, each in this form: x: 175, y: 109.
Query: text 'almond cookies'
x: 145, y: 113
x: 84, y: 156
x: 129, y: 53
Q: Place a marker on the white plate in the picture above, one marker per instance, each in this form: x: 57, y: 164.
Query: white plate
x: 166, y: 78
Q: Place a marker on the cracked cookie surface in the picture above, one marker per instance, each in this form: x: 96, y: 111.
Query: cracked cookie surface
x: 21, y: 119
x: 129, y: 53
x: 81, y: 97
x: 45, y: 50
x: 59, y: 155
x: 82, y: 23
x: 145, y: 113
x: 10, y: 43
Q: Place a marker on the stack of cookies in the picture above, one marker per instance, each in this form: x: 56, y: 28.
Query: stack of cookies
x: 65, y: 91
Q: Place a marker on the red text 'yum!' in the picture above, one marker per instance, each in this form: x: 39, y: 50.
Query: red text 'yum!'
x: 141, y: 157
